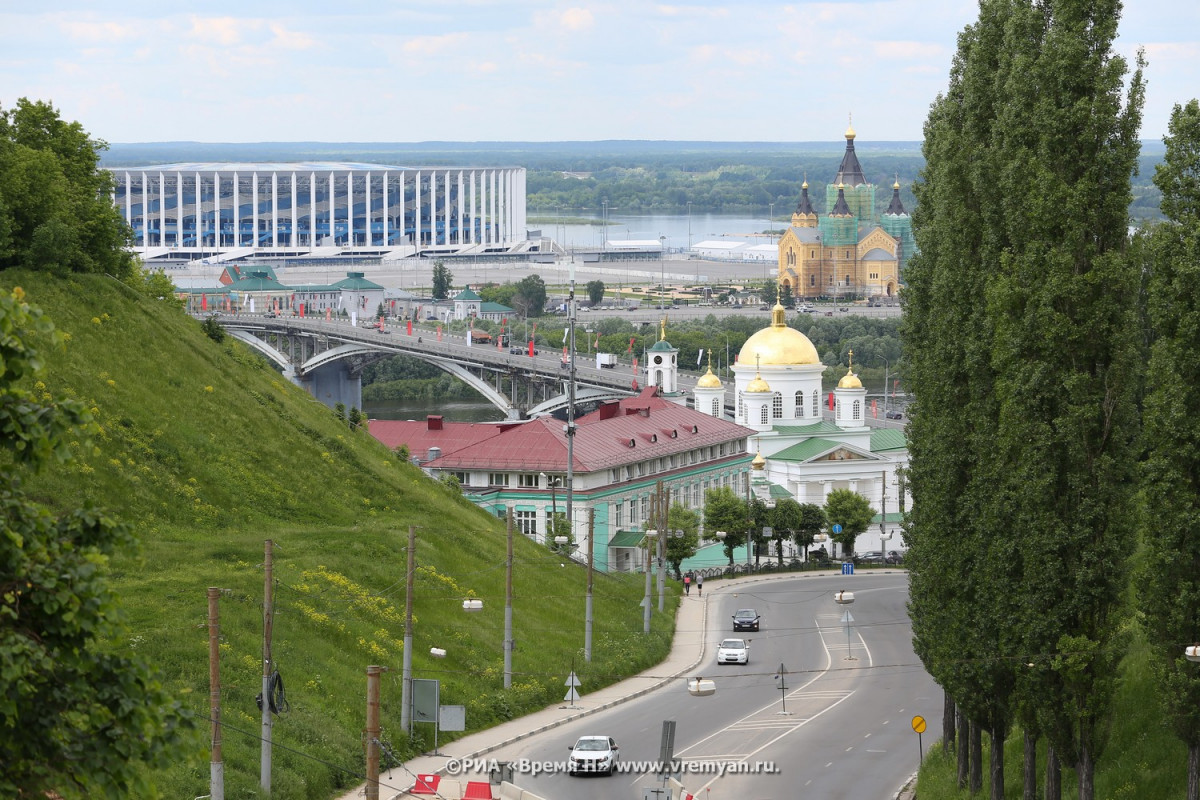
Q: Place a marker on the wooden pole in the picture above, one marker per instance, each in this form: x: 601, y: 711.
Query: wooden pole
x: 587, y: 611
x: 216, y: 765
x: 406, y: 675
x: 372, y: 732
x: 508, y: 596
x: 268, y: 620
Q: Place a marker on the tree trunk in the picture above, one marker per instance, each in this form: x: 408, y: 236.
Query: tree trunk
x: 1030, y: 767
x: 976, y: 783
x: 996, y: 758
x: 964, y: 750
x: 1085, y: 771
x: 1053, y: 775
x: 1193, y: 772
x: 947, y: 722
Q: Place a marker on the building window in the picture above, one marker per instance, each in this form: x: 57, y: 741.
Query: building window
x: 528, y: 480
x: 463, y: 478
x: 614, y: 475
x: 816, y: 411
x: 799, y: 405
x: 764, y: 418
x: 645, y: 511
x: 741, y: 407
x: 641, y: 469
x: 498, y: 479
x: 857, y: 409
x: 633, y: 514
x: 526, y: 522
x: 716, y: 407
x: 777, y: 406
x: 837, y: 409
x: 722, y: 451
x: 618, y: 516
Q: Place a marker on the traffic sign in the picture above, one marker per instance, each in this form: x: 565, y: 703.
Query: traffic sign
x: 837, y: 528
x: 918, y: 724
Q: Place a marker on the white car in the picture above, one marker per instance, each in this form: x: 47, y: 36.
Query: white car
x: 594, y: 754
x: 733, y: 651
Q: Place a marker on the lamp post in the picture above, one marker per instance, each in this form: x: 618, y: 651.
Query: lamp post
x: 662, y: 270
x: 721, y: 539
x: 689, y: 207
x: 887, y: 367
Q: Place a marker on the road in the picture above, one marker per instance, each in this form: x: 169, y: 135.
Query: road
x: 850, y: 698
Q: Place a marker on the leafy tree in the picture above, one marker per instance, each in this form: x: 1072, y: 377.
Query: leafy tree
x: 1169, y: 584
x: 443, y: 280
x: 850, y: 510
x: 760, y: 517
x: 725, y: 511
x: 56, y: 212
x: 155, y: 284
x: 812, y: 522
x: 1036, y: 421
x: 83, y: 717
x: 530, y: 296
x: 595, y: 292
x: 786, y: 519
x: 212, y: 329
x: 354, y: 418
x: 679, y: 548
x: 448, y: 480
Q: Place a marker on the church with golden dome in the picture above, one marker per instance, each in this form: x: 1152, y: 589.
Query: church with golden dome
x: 850, y: 251
x: 808, y: 440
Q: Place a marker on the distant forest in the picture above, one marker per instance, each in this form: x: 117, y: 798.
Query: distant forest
x: 576, y: 179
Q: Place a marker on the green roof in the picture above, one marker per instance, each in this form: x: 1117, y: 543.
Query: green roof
x: 810, y: 430
x: 660, y: 345
x: 803, y: 451
x: 780, y: 493
x: 467, y: 294
x: 258, y: 282
x: 494, y: 308
x: 356, y: 281
x: 627, y: 539
x: 888, y: 439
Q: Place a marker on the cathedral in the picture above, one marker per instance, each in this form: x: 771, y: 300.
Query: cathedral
x: 850, y: 251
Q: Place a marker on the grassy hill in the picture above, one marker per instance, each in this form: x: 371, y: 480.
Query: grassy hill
x: 206, y: 452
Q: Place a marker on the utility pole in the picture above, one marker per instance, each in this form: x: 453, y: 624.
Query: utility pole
x: 216, y: 769
x: 664, y: 503
x: 508, y: 595
x: 570, y: 426
x: 406, y: 675
x: 268, y: 623
x: 587, y: 610
x: 372, y: 731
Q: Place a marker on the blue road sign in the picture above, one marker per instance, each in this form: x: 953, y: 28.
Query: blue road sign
x: 847, y: 568
x: 836, y: 528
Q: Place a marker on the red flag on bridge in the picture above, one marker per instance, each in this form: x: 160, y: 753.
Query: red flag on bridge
x: 410, y: 327
x: 302, y: 310
x: 874, y: 410
x: 831, y: 401
x: 204, y: 302
x: 439, y: 333
x: 381, y: 323
x: 630, y: 350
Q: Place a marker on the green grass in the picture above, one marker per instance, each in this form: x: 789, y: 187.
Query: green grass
x: 206, y: 452
x: 1142, y: 758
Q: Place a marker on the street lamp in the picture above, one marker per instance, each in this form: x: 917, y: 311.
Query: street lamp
x: 887, y: 368
x: 689, y: 207
x: 662, y: 270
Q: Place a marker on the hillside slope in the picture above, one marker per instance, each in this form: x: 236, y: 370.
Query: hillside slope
x: 206, y: 452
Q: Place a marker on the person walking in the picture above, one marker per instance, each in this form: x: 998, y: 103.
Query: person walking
x: 700, y: 585
x: 687, y: 583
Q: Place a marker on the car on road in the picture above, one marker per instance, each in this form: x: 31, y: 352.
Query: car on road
x: 383, y: 330
x: 733, y: 651
x: 270, y: 315
x: 843, y: 308
x: 764, y: 307
x: 894, y: 415
x: 746, y: 619
x: 593, y: 754
x: 520, y: 351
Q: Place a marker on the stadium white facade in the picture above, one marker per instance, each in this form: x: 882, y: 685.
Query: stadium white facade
x: 264, y: 209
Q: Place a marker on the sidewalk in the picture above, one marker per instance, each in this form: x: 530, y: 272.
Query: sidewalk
x: 687, y: 653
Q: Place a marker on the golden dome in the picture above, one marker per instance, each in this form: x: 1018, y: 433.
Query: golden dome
x: 708, y: 380
x: 850, y: 381
x: 850, y: 134
x: 896, y: 185
x: 778, y: 345
x: 758, y: 385
x: 805, y: 184
x: 759, y: 462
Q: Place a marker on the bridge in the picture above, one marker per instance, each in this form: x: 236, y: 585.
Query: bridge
x: 327, y: 359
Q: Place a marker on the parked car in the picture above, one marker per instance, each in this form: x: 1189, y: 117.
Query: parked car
x: 895, y: 557
x: 870, y: 557
x: 270, y: 315
x: 593, y: 754
x: 843, y: 308
x: 894, y: 415
x: 746, y: 619
x: 733, y: 651
x: 819, y: 555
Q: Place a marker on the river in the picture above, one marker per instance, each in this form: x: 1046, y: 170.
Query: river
x: 681, y: 230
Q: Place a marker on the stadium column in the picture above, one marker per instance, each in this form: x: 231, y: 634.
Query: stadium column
x: 460, y: 207
x: 254, y: 203
x: 295, y: 214
x: 417, y: 211
x: 274, y: 210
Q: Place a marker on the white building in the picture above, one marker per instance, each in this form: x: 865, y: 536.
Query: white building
x: 205, y: 210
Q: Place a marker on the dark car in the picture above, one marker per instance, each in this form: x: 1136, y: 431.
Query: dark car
x: 870, y: 557
x: 894, y: 557
x: 746, y: 619
x: 819, y: 555
x: 270, y: 315
x: 894, y: 415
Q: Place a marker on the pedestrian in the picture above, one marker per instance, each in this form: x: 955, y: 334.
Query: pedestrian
x: 700, y: 585
x: 687, y: 583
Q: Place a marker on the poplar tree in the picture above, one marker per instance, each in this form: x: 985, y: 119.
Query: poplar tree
x: 1169, y: 591
x: 1018, y: 336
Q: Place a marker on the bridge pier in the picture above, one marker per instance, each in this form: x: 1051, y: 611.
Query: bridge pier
x: 334, y: 383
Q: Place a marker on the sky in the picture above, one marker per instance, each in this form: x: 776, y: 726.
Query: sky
x: 520, y: 70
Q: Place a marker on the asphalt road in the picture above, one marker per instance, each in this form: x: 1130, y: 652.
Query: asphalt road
x: 851, y: 694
